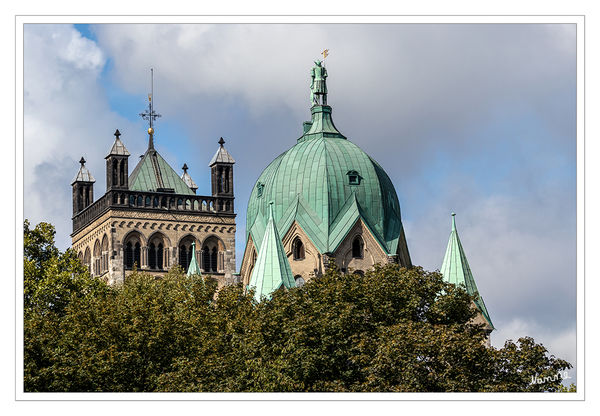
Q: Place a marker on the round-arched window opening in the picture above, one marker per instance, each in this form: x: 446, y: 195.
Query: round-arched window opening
x: 210, y: 255
x: 357, y: 247
x: 299, y: 281
x: 298, y: 249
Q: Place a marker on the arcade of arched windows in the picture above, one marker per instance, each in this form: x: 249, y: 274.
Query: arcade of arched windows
x: 98, y: 263
x: 176, y: 203
x: 156, y: 253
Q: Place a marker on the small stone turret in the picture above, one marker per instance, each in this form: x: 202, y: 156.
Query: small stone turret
x: 83, y: 188
x: 117, y: 169
x: 188, y: 179
x: 222, y: 171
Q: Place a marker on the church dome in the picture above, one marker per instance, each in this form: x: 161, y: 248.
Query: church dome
x: 325, y: 183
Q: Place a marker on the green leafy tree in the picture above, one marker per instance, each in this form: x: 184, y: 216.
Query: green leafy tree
x: 393, y: 329
x: 52, y: 278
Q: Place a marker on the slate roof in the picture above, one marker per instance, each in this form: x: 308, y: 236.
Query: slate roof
x: 310, y: 183
x: 153, y: 172
x: 118, y: 148
x: 455, y: 269
x: 222, y: 155
x: 272, y: 269
x: 84, y: 174
x: 188, y: 179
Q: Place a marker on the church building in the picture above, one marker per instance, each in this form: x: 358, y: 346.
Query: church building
x: 323, y: 202
x: 331, y: 203
x: 152, y: 219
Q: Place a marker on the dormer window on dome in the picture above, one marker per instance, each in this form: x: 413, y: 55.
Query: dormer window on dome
x: 353, y: 177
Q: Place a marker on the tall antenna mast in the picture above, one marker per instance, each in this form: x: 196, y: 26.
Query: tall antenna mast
x: 150, y: 114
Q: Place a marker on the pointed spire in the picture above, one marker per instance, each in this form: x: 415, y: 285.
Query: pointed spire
x: 194, y: 267
x: 118, y: 148
x: 188, y: 179
x: 222, y: 155
x: 83, y: 175
x: 272, y: 269
x: 455, y: 269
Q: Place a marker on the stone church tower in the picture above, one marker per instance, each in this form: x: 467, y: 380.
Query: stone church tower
x: 152, y: 219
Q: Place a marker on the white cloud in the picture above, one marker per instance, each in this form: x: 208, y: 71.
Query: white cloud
x: 66, y: 115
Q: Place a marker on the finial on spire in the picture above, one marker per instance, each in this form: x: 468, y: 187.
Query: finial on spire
x: 117, y: 133
x: 82, y: 161
x: 221, y: 142
x: 185, y: 168
x: 453, y: 222
x: 150, y: 114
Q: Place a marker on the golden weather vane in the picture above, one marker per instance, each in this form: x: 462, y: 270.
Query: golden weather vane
x: 325, y: 53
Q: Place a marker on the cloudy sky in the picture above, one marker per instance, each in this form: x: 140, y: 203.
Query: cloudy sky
x: 476, y: 119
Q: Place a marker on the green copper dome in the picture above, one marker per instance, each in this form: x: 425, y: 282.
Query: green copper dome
x: 325, y: 183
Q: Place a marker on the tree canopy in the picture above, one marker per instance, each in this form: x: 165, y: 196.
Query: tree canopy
x: 393, y: 329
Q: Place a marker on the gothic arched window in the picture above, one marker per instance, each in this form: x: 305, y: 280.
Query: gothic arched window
x: 129, y: 255
x: 357, y: 247
x: 115, y: 173
x: 122, y: 173
x: 210, y: 253
x: 156, y: 252
x: 298, y: 249
x: 87, y: 259
x: 186, y: 252
x: 152, y: 256
x: 80, y: 199
x: 213, y: 260
x: 104, y: 266
x: 206, y: 259
x: 132, y: 252
x: 97, y: 258
x: 227, y: 179
x: 137, y: 249
x: 219, y: 179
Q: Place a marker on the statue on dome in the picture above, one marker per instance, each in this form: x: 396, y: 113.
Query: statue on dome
x: 318, y: 86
